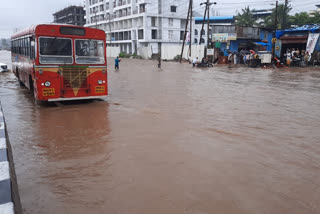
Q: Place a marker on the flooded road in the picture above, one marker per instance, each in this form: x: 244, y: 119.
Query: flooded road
x: 180, y: 140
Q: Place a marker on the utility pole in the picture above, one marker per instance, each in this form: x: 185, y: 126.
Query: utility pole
x: 185, y: 30
x: 204, y: 17
x: 274, y: 33
x: 159, y: 32
x: 190, y: 34
x: 208, y: 22
x: 284, y: 21
x: 207, y: 11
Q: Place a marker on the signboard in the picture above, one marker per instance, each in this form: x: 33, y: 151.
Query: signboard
x: 312, y: 42
x: 210, y: 52
x: 100, y: 89
x: 46, y: 92
x: 278, y: 47
x: 232, y: 36
x: 223, y: 37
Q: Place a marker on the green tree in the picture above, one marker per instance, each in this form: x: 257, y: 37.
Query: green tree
x: 315, y: 18
x: 282, y: 18
x: 302, y: 18
x: 246, y: 18
x: 4, y: 43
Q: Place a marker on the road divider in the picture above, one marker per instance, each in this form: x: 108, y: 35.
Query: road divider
x: 9, y: 195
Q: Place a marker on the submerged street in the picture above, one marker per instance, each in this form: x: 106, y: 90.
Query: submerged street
x: 176, y: 140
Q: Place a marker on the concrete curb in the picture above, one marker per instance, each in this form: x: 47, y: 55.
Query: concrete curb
x: 9, y: 196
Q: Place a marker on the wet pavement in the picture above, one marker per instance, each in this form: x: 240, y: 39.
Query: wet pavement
x: 179, y: 140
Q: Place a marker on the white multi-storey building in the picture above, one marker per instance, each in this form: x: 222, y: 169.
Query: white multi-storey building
x: 131, y: 24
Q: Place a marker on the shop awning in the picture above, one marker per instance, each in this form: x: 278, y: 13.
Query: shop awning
x: 294, y: 39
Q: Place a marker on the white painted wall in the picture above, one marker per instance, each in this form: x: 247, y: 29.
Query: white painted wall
x: 113, y: 51
x: 168, y: 52
x: 145, y: 52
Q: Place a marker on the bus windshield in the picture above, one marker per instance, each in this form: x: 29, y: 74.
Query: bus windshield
x: 89, y: 51
x: 55, y: 50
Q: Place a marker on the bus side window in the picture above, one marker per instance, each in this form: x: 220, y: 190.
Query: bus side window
x: 28, y: 47
x: 25, y: 47
x: 20, y: 46
x: 32, y: 54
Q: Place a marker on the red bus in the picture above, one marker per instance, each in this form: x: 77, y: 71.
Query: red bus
x: 61, y: 62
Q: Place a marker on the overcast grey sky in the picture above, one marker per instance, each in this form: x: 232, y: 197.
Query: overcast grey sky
x: 23, y: 13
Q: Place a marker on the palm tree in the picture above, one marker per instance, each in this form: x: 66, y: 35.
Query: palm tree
x: 246, y: 19
x: 282, y: 18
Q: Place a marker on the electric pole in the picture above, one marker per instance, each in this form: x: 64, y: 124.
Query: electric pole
x: 207, y: 12
x: 208, y: 22
x: 159, y: 32
x: 190, y: 34
x: 204, y: 17
x: 185, y: 30
x: 284, y: 22
x: 275, y: 30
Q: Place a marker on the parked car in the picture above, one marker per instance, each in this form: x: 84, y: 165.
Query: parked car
x: 3, y: 67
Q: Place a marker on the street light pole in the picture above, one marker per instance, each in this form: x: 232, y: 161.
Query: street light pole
x: 275, y: 30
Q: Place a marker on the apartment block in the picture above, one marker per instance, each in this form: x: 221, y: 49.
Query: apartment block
x: 130, y: 24
x: 73, y: 15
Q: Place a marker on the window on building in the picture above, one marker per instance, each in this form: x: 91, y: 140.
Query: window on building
x: 142, y: 8
x: 183, y: 23
x: 101, y: 8
x: 170, y: 34
x: 153, y: 21
x: 154, y: 34
x: 196, y: 32
x: 196, y: 40
x: 202, y: 41
x: 203, y: 32
x: 140, y: 34
x: 173, y: 8
x: 107, y: 6
x: 181, y: 35
x: 170, y: 22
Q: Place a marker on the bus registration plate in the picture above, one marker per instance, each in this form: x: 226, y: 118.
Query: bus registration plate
x: 47, y: 92
x: 99, y: 89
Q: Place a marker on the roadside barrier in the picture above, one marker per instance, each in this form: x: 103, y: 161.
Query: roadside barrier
x: 9, y: 196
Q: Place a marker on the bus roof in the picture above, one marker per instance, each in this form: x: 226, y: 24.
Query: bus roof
x: 54, y: 30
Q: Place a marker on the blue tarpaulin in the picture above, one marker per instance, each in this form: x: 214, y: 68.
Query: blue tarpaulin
x: 311, y: 28
x: 215, y: 18
x: 262, y: 43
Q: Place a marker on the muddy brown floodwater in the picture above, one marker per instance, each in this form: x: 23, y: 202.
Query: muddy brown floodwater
x: 180, y: 140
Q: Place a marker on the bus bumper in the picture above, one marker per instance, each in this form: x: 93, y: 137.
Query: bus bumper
x: 76, y: 98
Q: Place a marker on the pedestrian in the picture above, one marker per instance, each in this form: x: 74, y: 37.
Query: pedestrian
x: 306, y: 58
x: 194, y: 61
x: 116, y: 63
x: 229, y: 58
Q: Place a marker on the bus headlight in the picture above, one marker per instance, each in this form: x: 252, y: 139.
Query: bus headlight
x: 47, y: 84
x: 99, y: 82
